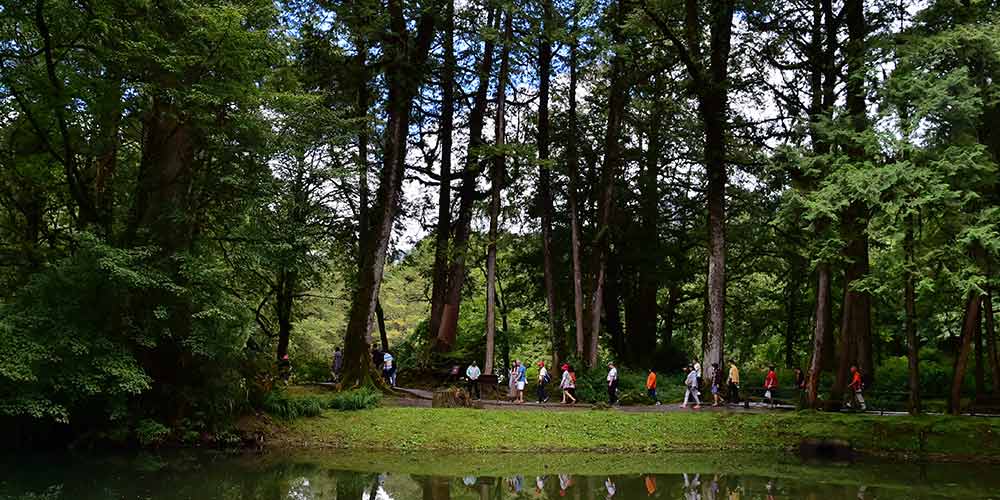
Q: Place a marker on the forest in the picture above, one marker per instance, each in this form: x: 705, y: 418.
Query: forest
x: 192, y: 190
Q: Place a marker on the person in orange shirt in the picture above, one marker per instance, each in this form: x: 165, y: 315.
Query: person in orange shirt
x: 857, y: 385
x: 651, y: 386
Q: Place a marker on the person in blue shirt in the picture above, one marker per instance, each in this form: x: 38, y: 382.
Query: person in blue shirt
x: 522, y: 380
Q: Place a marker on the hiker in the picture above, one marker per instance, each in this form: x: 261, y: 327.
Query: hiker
x: 770, y: 384
x: 800, y: 384
x: 472, y: 373
x: 697, y: 370
x: 512, y: 383
x: 285, y: 368
x: 612, y: 384
x: 543, y: 379
x: 715, y: 381
x: 691, y: 388
x: 734, y: 382
x: 856, y: 386
x: 651, y: 387
x: 566, y: 384
x: 522, y: 380
x: 389, y: 369
x: 338, y: 363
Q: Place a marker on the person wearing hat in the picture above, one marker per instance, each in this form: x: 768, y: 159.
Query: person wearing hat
x: 612, y: 384
x: 566, y: 384
x: 543, y: 379
x: 284, y: 368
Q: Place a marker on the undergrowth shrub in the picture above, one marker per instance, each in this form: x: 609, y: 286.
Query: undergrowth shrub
x: 286, y: 406
x: 358, y: 399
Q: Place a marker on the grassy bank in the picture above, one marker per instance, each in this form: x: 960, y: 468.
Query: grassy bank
x: 414, y: 429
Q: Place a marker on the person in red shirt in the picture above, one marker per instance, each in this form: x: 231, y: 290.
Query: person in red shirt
x: 857, y: 385
x: 770, y: 383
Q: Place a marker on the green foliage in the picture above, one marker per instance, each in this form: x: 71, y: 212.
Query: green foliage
x: 151, y: 433
x: 287, y: 406
x: 358, y: 399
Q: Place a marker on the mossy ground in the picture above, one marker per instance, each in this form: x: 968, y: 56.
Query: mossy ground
x: 493, y: 430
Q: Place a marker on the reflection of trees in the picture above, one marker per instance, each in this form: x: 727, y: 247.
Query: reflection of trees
x: 352, y: 485
x: 434, y: 487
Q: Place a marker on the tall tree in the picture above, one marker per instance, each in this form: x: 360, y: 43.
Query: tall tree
x: 405, y: 56
x: 610, y: 170
x: 573, y: 164
x: 497, y: 173
x: 445, y: 336
x: 710, y: 83
x: 545, y: 177
x: 855, y: 324
x: 439, y: 285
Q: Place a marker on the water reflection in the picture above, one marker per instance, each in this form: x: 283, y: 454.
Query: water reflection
x: 314, y: 478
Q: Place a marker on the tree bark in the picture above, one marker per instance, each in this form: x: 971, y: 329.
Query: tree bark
x: 980, y: 373
x: 821, y: 334
x: 796, y: 270
x: 439, y: 287
x: 545, y: 181
x: 969, y: 322
x: 496, y: 181
x: 403, y: 77
x: 991, y: 341
x: 913, y: 349
x: 641, y: 318
x: 573, y: 162
x: 463, y: 226
x: 380, y: 319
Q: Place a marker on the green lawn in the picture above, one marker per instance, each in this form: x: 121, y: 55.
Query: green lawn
x: 416, y: 429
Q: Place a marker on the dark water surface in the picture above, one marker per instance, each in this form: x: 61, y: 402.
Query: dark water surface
x: 401, y: 476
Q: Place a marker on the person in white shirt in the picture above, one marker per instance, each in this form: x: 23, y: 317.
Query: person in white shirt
x: 691, y: 388
x: 543, y: 379
x: 472, y: 373
x: 389, y: 369
x: 612, y: 384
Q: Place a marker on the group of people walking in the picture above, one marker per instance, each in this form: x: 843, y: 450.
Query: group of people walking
x: 724, y: 385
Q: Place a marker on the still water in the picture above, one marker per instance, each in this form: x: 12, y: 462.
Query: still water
x: 374, y: 476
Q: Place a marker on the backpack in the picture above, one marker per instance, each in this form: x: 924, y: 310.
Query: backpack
x: 546, y: 378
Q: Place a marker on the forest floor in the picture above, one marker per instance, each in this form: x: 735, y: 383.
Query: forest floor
x: 399, y: 426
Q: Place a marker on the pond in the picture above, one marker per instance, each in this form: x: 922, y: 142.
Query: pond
x: 424, y: 476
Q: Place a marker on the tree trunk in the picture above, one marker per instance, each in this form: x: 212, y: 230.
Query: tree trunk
x: 670, y: 314
x: 463, y: 227
x: 496, y: 181
x: 969, y: 322
x: 641, y: 319
x: 573, y: 161
x: 855, y: 326
x: 283, y: 309
x: 380, y: 319
x: 502, y: 304
x: 913, y: 349
x: 796, y: 270
x: 617, y: 101
x: 991, y: 340
x: 980, y: 373
x: 612, y: 309
x: 713, y: 114
x: 439, y: 287
x: 821, y: 333
x: 545, y: 182
x: 403, y: 78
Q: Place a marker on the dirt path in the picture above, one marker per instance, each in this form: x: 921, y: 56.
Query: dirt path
x: 422, y: 398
